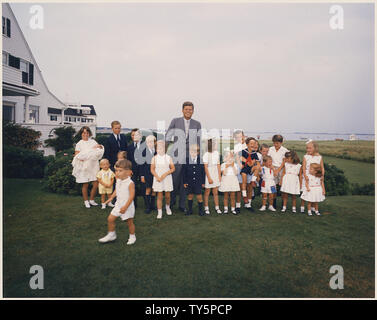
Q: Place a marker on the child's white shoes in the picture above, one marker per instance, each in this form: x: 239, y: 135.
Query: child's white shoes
x: 86, y: 204
x: 262, y: 208
x: 103, y: 206
x: 168, y: 211
x: 293, y: 209
x: 271, y: 208
x: 317, y: 213
x: 111, y: 236
x: 110, y: 205
x: 93, y: 203
x: 284, y: 209
x: 131, y: 239
x: 159, y: 215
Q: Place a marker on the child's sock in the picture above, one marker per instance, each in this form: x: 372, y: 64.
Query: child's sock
x: 152, y: 202
x: 302, y: 209
x: 217, y: 208
x: 244, y: 194
x: 238, y: 204
x: 206, y: 208
x: 225, y: 209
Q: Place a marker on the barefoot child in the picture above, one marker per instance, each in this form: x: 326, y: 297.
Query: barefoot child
x: 162, y: 168
x: 211, y: 160
x: 290, y: 180
x: 229, y: 181
x: 105, y: 179
x: 124, y: 205
x: 268, y: 187
x: 314, y: 191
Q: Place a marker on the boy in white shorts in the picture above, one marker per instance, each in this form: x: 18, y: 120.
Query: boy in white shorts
x: 277, y: 153
x: 124, y: 205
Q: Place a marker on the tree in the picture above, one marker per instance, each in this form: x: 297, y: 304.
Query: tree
x: 16, y: 135
x: 63, y: 140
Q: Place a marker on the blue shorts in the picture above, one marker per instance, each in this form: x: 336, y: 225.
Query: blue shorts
x: 249, y: 178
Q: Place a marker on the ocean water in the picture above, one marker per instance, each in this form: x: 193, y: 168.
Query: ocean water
x: 309, y: 135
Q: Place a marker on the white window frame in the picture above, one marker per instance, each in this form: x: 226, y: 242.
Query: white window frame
x: 6, y: 55
x: 55, y: 116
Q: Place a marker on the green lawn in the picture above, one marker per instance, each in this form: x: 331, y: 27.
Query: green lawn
x: 250, y: 255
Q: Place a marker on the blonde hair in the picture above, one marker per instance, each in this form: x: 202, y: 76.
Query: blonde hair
x: 150, y: 138
x: 103, y: 161
x: 265, y: 158
x: 115, y: 123
x: 315, y: 145
x: 124, y: 164
x: 123, y: 154
x: 317, y: 169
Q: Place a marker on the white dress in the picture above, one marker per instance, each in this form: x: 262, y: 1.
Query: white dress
x: 268, y: 183
x: 123, y: 194
x: 212, y: 159
x: 309, y: 159
x: 229, y: 181
x: 86, y: 162
x: 315, y: 193
x: 162, y: 165
x: 291, y: 180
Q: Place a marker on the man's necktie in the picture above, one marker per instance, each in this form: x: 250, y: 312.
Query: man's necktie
x: 118, y: 141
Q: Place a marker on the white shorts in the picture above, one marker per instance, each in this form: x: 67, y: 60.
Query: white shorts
x: 129, y: 214
x: 249, y: 178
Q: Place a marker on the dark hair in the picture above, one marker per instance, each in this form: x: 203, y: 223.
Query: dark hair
x: 124, y: 164
x: 87, y: 129
x: 277, y: 138
x: 249, y: 139
x: 187, y: 104
x: 134, y: 130
x: 263, y: 145
x: 293, y: 155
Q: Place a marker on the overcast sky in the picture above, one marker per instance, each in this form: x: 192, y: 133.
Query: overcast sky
x: 267, y: 67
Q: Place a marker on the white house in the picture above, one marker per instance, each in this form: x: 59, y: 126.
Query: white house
x: 26, y: 97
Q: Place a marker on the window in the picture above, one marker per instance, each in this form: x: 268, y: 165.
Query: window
x: 14, y: 61
x: 53, y: 118
x: 8, y: 113
x: 73, y: 119
x: 27, y: 72
x: 34, y: 114
x: 83, y: 120
x: 6, y: 27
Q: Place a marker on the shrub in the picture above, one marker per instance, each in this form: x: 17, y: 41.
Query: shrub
x: 23, y: 163
x: 63, y: 140
x: 336, y: 183
x: 18, y: 136
x: 366, y: 189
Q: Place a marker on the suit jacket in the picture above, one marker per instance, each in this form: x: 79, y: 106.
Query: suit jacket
x: 131, y: 156
x: 177, y: 128
x: 112, y: 148
x: 145, y: 169
x: 193, y: 173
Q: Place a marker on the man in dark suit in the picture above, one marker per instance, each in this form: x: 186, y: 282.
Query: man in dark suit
x: 134, y: 146
x: 182, y: 131
x: 193, y: 179
x: 115, y: 142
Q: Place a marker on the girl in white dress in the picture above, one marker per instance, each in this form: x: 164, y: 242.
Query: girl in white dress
x: 211, y: 160
x: 124, y: 205
x: 86, y: 164
x: 290, y: 180
x: 162, y: 168
x: 268, y: 186
x: 229, y: 181
x: 314, y: 191
x: 312, y: 156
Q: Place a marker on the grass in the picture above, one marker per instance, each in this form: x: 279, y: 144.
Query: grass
x: 250, y: 255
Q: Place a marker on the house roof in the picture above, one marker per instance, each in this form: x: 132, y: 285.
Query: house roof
x: 73, y: 112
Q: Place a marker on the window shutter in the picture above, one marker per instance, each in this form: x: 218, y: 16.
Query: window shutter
x: 31, y: 74
x: 24, y: 77
x: 11, y: 61
x: 8, y: 27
